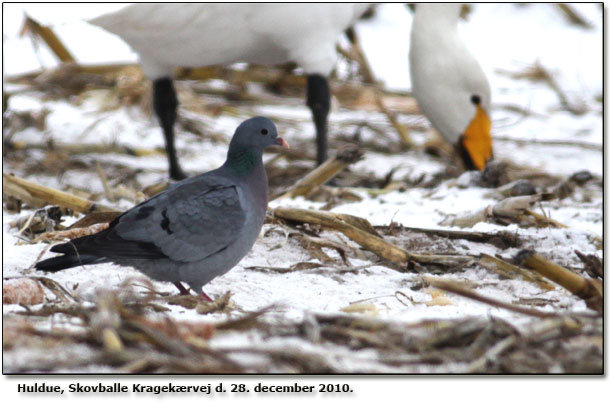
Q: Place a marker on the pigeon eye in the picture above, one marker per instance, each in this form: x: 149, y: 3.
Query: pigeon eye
x: 264, y: 131
x: 475, y: 99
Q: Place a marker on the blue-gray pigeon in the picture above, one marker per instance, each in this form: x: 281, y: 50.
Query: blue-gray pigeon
x: 195, y: 230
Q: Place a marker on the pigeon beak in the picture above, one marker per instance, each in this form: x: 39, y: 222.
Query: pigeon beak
x: 282, y: 142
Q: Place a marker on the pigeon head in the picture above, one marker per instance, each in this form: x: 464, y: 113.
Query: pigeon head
x: 256, y: 133
x: 249, y: 141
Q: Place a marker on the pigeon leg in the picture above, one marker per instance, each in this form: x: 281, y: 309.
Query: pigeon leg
x: 184, y: 291
x: 181, y: 288
x: 204, y: 296
x: 165, y: 104
x: 318, y: 99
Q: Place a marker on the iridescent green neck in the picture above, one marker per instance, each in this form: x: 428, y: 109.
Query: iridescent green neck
x: 242, y: 161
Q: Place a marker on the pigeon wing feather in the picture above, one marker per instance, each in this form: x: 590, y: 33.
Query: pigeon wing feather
x: 196, y: 219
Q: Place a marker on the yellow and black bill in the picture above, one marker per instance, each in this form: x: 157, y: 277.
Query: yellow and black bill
x: 476, y: 145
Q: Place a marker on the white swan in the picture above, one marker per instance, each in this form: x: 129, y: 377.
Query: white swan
x: 195, y: 35
x: 449, y: 84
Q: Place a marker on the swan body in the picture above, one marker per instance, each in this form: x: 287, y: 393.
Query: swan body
x: 202, y: 34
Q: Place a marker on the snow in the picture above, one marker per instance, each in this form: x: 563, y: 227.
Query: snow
x: 492, y: 32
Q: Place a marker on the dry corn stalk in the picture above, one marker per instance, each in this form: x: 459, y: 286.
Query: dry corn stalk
x: 71, y: 233
x: 325, y: 172
x: 49, y: 37
x: 465, y: 292
x: 76, y: 149
x: 365, y: 238
x: 35, y: 192
x: 16, y: 191
x: 94, y: 218
x: 510, y: 270
x: 591, y: 290
x: 512, y: 209
x: 573, y: 16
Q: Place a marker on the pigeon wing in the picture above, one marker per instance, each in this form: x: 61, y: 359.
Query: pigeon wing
x: 193, y: 221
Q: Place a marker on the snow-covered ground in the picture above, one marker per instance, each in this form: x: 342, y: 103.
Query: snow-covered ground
x: 548, y: 139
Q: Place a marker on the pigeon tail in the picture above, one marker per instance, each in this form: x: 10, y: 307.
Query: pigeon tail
x: 67, y: 261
